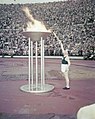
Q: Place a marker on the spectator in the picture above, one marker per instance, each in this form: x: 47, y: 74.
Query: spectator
x: 74, y: 22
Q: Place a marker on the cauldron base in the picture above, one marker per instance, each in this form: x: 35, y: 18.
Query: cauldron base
x: 39, y: 89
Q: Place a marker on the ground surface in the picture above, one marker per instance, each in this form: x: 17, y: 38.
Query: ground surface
x: 57, y: 104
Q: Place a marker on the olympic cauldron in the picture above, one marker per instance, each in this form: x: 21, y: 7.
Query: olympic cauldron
x: 36, y: 85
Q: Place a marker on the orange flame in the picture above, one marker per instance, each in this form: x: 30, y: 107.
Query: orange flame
x: 33, y: 24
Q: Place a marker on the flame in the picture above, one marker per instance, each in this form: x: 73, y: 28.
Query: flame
x: 33, y: 24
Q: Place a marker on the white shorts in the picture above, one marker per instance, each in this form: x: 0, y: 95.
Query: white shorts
x: 64, y: 67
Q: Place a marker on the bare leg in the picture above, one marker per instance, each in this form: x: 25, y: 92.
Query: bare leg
x: 67, y: 82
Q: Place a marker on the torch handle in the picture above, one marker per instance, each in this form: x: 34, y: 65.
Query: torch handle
x: 59, y: 42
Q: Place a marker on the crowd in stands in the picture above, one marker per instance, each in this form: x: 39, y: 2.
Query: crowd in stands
x: 73, y: 21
